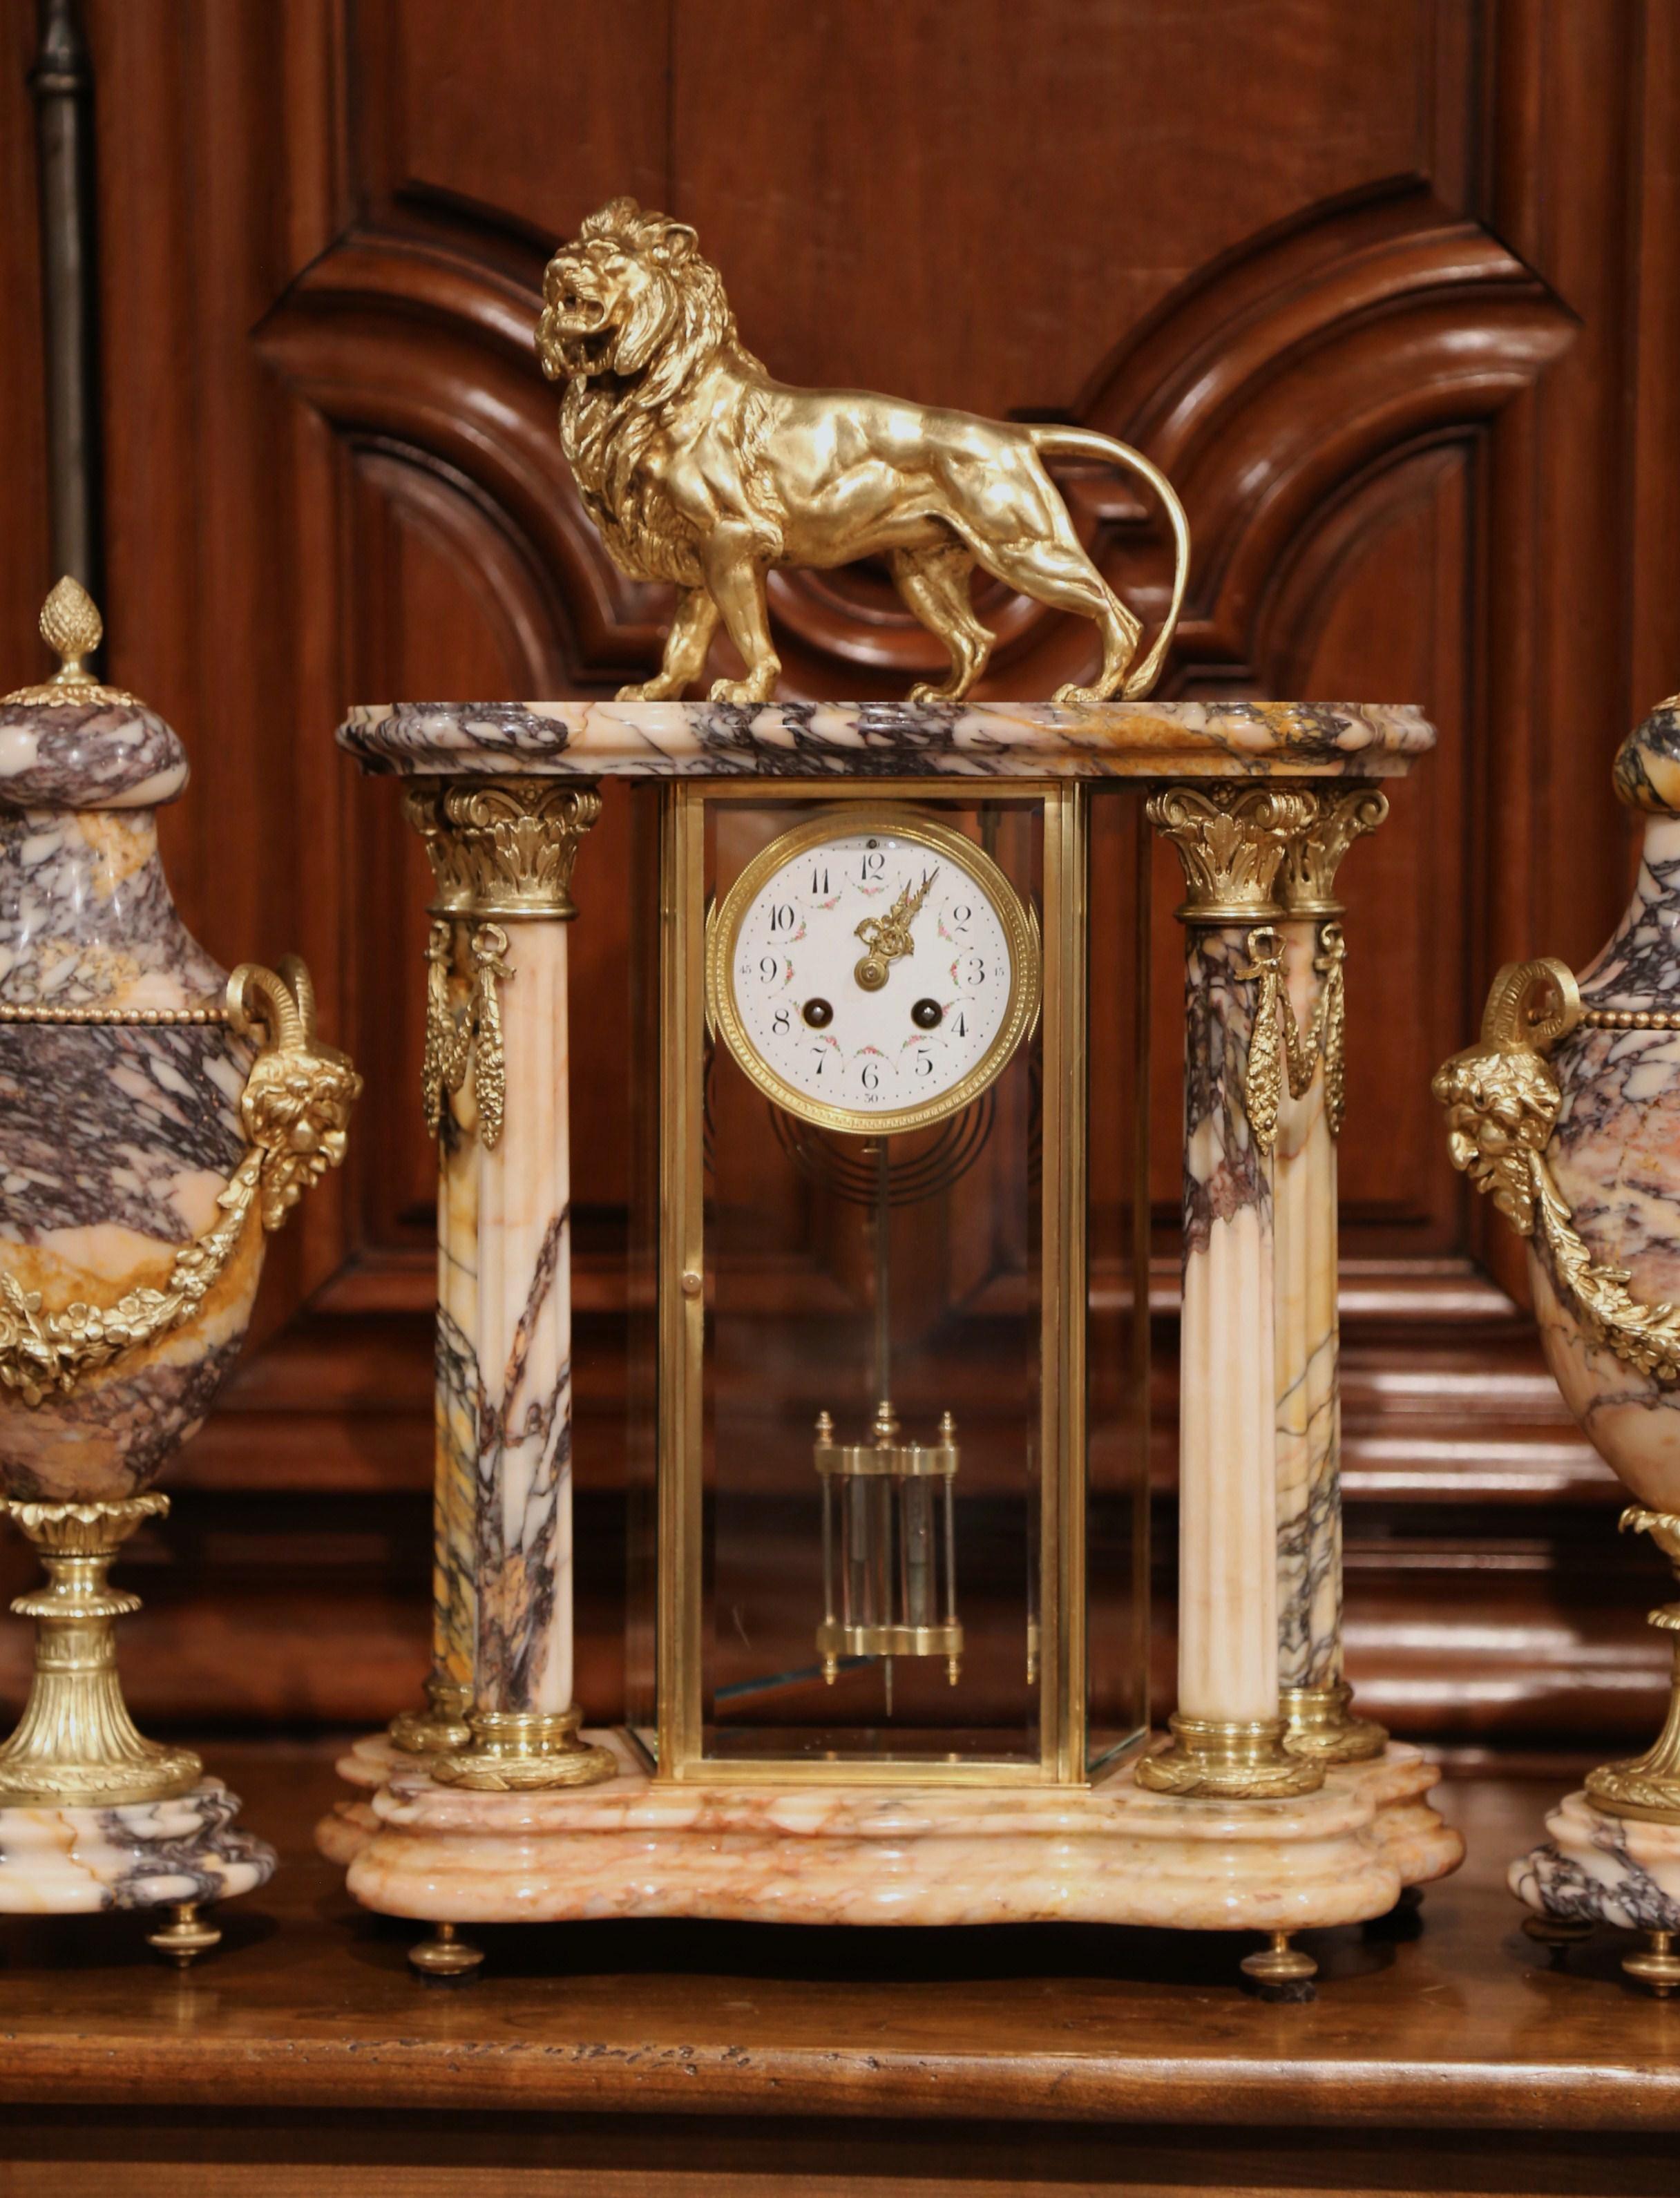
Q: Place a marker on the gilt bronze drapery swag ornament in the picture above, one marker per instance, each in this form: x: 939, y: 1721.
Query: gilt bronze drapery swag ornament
x: 157, y: 1118
x: 702, y: 470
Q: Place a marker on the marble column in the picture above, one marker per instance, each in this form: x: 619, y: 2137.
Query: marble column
x: 1228, y: 1735
x: 1314, y: 1696
x: 502, y: 853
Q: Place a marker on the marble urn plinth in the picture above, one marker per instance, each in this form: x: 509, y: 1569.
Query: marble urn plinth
x: 1568, y: 1114
x: 157, y: 1118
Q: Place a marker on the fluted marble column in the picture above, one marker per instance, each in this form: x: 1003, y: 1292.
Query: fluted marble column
x: 1228, y: 1734
x: 502, y: 853
x: 1313, y: 1694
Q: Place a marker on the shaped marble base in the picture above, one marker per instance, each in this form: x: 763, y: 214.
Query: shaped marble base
x: 181, y: 1853
x: 827, y: 1855
x: 350, y: 1824
x: 1600, y: 1868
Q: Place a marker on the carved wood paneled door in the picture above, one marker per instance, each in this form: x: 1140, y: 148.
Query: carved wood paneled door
x: 1391, y: 293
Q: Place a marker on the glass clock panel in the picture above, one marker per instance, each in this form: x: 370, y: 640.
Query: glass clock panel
x: 871, y: 1379
x: 888, y: 1365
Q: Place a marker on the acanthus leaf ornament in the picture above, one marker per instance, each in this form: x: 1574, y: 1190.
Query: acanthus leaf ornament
x: 1231, y: 840
x: 1332, y: 819
x: 505, y: 847
x: 294, y: 1110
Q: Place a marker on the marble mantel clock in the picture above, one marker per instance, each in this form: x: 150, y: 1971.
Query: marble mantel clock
x: 890, y: 1665
x: 888, y: 1660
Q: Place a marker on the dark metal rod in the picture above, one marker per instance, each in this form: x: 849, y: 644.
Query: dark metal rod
x: 62, y: 84
x: 883, y: 1272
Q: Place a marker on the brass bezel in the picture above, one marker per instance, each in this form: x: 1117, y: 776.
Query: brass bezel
x: 906, y: 823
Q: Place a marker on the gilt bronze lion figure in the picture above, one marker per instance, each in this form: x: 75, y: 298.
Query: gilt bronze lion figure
x: 700, y: 468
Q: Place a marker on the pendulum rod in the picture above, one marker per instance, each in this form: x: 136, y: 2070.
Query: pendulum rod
x: 884, y: 1528
x: 883, y: 1274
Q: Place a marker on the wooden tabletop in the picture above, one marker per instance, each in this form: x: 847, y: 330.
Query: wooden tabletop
x: 309, y: 2006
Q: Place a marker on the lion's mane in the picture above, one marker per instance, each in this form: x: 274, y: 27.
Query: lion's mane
x: 613, y: 410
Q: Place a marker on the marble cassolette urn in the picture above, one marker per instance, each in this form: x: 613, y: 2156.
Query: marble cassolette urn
x: 1568, y: 1114
x: 157, y: 1117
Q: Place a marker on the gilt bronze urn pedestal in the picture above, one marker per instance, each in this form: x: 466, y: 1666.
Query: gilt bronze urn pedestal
x: 157, y: 1117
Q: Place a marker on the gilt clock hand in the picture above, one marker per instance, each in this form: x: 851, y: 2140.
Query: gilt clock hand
x: 888, y: 937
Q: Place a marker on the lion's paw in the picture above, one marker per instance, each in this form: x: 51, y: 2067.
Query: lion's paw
x: 924, y: 691
x: 743, y: 690
x: 650, y: 690
x: 1071, y: 697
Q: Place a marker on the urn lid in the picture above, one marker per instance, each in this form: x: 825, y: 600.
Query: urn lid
x: 71, y: 742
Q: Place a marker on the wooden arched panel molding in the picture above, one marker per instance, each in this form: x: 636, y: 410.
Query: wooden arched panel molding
x: 1278, y: 380
x: 410, y: 345
x: 1267, y: 388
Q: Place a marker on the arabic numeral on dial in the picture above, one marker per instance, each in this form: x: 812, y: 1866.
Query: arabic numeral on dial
x: 961, y: 916
x: 924, y: 1061
x: 781, y: 1022
x: 872, y: 866
x: 821, y: 1056
x: 871, y: 1078
x: 819, y: 883
x: 782, y: 917
x: 768, y: 966
x: 961, y: 1026
x: 973, y: 969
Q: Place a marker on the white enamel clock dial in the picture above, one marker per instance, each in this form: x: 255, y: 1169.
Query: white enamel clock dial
x: 872, y: 970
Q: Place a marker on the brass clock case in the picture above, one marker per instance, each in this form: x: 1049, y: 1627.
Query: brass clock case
x: 1020, y: 929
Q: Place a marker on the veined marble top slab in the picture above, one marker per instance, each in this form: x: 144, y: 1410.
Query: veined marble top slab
x: 888, y: 740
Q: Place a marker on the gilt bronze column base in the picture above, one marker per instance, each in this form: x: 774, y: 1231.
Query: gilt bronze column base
x: 441, y: 1728
x: 519, y: 1750
x: 1320, y: 1727
x: 1229, y: 1759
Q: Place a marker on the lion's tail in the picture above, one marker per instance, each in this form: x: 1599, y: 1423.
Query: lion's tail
x: 1086, y: 443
